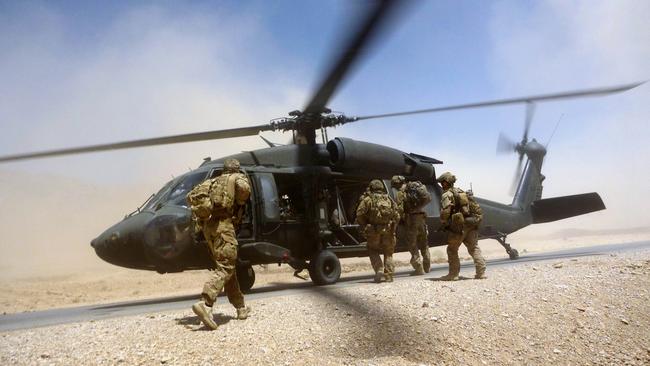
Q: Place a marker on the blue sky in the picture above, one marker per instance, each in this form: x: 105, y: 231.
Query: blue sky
x: 78, y: 73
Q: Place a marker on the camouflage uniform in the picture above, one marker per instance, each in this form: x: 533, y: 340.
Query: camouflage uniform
x: 467, y: 235
x: 379, y: 232
x: 219, y: 231
x: 416, y: 229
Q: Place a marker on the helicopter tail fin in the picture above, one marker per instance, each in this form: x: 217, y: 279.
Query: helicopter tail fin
x: 559, y: 208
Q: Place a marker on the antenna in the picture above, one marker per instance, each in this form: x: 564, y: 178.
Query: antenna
x: 554, y: 129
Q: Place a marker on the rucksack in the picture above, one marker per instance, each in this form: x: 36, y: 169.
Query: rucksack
x: 461, y: 202
x: 222, y: 195
x: 200, y: 202
x: 417, y: 195
x: 381, y: 209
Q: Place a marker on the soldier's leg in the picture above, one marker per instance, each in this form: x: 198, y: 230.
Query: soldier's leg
x: 411, y: 239
x: 454, y: 241
x: 373, y: 252
x: 471, y: 242
x: 423, y: 244
x: 388, y: 246
x: 223, y: 248
x: 224, y: 253
x: 235, y: 297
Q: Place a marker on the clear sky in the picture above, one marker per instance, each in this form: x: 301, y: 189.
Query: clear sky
x: 78, y: 73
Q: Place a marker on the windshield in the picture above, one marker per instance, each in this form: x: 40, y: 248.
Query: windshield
x: 181, y: 189
x: 159, y: 196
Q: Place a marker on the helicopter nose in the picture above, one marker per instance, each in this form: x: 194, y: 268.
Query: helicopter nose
x: 121, y: 244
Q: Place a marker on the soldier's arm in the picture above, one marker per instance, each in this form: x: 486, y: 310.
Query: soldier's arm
x: 362, y: 211
x: 445, y: 209
x: 242, y: 190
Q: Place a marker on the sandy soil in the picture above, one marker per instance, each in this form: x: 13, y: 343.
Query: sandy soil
x: 591, y: 310
x: 110, y: 284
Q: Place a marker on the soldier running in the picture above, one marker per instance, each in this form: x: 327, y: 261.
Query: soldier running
x: 460, y: 216
x: 411, y: 208
x: 217, y: 205
x: 378, y: 215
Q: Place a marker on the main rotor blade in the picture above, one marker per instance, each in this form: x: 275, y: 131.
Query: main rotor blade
x: 535, y: 98
x: 355, y: 45
x: 199, y: 136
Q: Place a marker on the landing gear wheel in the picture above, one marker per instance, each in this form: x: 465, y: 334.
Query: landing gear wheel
x: 513, y: 253
x: 245, y: 277
x: 325, y: 268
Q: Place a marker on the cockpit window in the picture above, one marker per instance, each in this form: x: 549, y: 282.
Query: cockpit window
x: 157, y: 198
x: 182, y: 188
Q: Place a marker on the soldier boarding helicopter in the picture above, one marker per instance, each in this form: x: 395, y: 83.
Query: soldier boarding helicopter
x: 301, y: 210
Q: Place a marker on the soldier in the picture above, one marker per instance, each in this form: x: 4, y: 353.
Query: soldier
x: 378, y: 215
x: 413, y: 216
x: 217, y: 206
x: 460, y: 216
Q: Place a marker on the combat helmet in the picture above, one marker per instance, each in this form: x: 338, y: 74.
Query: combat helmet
x: 397, y: 181
x: 376, y: 186
x: 447, y: 177
x: 231, y: 165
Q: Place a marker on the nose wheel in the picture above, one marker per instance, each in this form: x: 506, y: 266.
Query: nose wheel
x: 245, y: 277
x: 325, y: 268
x: 512, y: 252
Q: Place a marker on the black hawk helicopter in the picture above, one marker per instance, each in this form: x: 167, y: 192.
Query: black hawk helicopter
x: 304, y: 195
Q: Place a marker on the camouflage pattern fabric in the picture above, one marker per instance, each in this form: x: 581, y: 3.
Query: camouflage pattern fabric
x: 470, y: 239
x: 380, y: 235
x: 417, y: 239
x: 467, y: 235
x: 416, y: 234
x: 222, y: 241
x: 381, y: 240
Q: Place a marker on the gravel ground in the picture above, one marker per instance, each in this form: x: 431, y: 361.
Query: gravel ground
x: 592, y: 310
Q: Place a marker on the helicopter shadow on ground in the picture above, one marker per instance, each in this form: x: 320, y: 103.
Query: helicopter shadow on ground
x: 385, y: 331
x: 193, y: 322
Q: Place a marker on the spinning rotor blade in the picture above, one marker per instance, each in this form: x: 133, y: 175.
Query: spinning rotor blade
x: 529, y: 99
x: 530, y: 112
x: 355, y: 45
x: 505, y: 144
x: 199, y: 136
x: 515, y: 179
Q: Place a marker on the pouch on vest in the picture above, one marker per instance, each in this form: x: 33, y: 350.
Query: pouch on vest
x: 457, y: 222
x: 222, y: 195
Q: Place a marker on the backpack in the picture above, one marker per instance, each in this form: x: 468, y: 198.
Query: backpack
x: 222, y: 195
x: 381, y: 209
x: 199, y: 200
x: 461, y: 202
x: 417, y: 195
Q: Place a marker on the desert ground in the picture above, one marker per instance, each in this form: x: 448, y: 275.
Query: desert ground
x: 583, y: 311
x: 589, y: 310
x: 82, y: 285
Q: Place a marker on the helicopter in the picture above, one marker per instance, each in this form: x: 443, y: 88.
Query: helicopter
x: 304, y: 194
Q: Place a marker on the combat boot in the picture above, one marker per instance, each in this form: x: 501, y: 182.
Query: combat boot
x: 389, y: 278
x: 243, y: 313
x: 449, y: 277
x: 480, y: 276
x: 204, y: 313
x: 419, y: 271
x: 378, y: 277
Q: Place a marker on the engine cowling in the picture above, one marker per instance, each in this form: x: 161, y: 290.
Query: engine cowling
x: 377, y: 161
